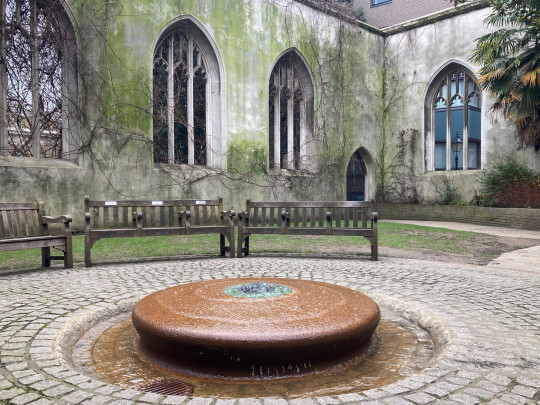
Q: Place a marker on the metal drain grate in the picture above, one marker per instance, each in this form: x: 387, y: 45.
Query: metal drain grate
x: 167, y: 387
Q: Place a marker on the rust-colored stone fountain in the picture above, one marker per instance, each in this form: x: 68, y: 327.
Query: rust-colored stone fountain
x: 252, y: 328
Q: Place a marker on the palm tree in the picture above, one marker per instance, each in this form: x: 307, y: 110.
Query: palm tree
x: 510, y: 60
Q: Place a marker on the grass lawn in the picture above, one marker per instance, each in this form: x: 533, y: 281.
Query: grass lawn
x: 392, y: 235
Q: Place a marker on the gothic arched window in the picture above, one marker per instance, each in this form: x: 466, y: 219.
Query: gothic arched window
x: 290, y: 112
x: 187, y: 97
x: 455, y: 103
x: 38, y: 83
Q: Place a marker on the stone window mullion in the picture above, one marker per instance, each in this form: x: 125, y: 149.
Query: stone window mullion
x: 170, y: 102
x: 448, y: 122
x: 303, y: 135
x: 34, y: 78
x: 190, y: 115
x: 290, y: 119
x: 277, y: 121
x: 465, y: 153
x: 3, y: 81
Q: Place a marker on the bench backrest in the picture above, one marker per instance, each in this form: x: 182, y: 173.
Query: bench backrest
x: 155, y: 214
x: 19, y: 220
x: 312, y: 214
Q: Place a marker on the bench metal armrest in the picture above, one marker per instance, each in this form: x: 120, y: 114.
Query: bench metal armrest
x: 285, y: 219
x: 137, y: 217
x: 244, y: 218
x: 230, y: 214
x: 328, y: 219
x: 185, y: 219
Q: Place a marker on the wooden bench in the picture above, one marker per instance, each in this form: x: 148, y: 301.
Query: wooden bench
x: 25, y: 226
x: 340, y: 218
x: 136, y: 218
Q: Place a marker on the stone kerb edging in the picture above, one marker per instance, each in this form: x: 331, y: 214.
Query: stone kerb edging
x: 74, y: 328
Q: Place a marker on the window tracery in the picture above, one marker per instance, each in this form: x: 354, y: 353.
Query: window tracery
x: 180, y: 101
x: 456, y: 111
x: 38, y: 81
x: 290, y: 98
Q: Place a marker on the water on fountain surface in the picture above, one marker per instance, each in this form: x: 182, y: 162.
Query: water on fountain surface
x: 402, y: 349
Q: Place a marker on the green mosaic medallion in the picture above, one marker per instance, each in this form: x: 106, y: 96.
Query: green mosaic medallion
x: 257, y: 290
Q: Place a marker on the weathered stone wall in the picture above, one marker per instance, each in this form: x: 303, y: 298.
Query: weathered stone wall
x: 116, y: 44
x: 415, y: 54
x: 521, y: 218
x: 368, y: 86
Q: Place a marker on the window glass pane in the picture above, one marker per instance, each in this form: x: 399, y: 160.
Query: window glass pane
x: 283, y: 129
x: 180, y: 117
x: 456, y: 127
x: 440, y: 125
x: 199, y: 112
x: 456, y: 122
x: 474, y: 123
x: 271, y: 110
x: 473, y: 157
x: 160, y: 127
x: 296, y: 123
x: 440, y: 156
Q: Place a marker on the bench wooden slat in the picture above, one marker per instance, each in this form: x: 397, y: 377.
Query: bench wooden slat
x: 31, y: 242
x: 2, y: 228
x: 272, y: 216
x: 255, y: 216
x: 298, y: 222
x: 197, y: 215
x: 364, y: 219
x: 151, y: 203
x: 106, y: 217
x: 25, y: 226
x: 153, y: 217
x: 157, y: 218
x: 11, y: 229
x: 309, y: 204
x: 18, y: 206
x: 115, y: 217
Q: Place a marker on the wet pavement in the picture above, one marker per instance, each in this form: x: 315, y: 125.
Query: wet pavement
x: 485, y: 321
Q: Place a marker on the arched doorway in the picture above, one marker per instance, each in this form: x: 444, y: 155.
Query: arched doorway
x: 356, y: 178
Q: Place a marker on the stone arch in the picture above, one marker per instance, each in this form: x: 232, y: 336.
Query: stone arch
x: 360, y: 176
x: 210, y: 116
x: 472, y: 140
x: 291, y: 111
x: 43, y: 107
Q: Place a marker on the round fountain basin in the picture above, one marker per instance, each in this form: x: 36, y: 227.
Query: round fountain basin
x: 219, y: 329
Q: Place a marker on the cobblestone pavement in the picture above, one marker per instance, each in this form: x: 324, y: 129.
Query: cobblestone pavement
x: 490, y: 319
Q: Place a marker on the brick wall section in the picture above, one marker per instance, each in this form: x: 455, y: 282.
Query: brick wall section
x: 521, y: 218
x: 398, y: 11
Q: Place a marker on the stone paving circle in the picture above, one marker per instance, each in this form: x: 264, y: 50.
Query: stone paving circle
x: 485, y: 321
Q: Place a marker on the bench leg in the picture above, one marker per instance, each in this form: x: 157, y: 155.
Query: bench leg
x: 239, y: 247
x: 374, y: 252
x: 232, y: 250
x: 46, y: 256
x: 222, y: 244
x: 87, y: 247
x: 68, y: 255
